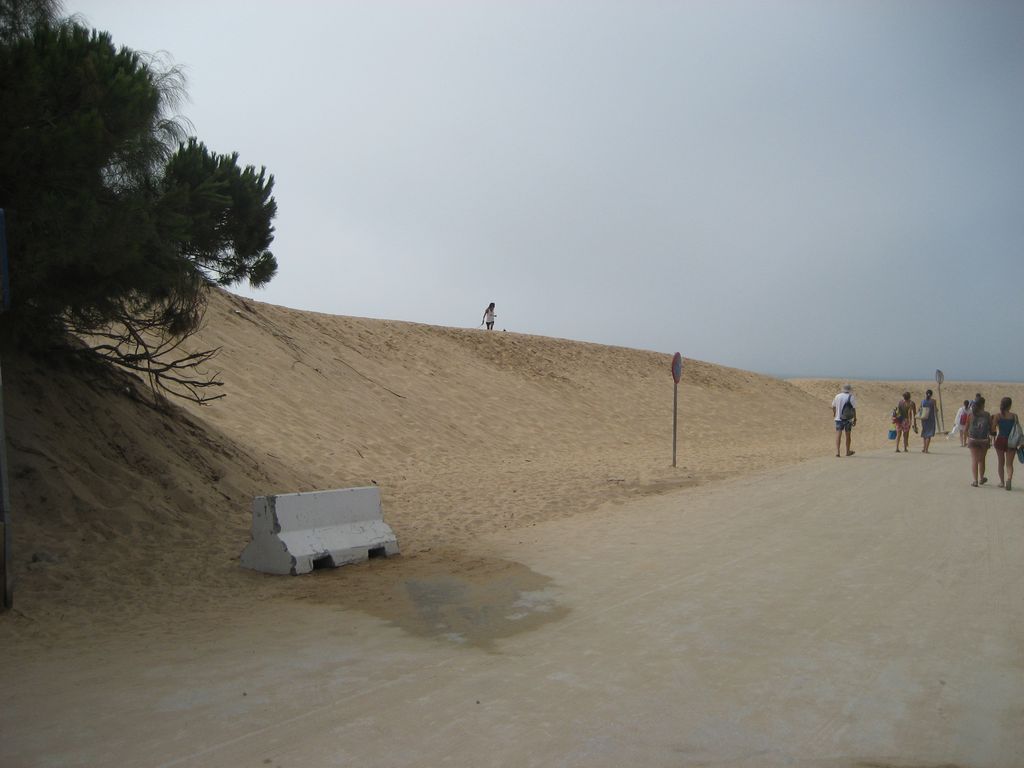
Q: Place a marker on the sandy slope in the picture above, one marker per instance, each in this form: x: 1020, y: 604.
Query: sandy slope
x: 136, y: 515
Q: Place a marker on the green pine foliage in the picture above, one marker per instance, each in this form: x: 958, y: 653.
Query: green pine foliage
x: 226, y: 212
x: 113, y: 215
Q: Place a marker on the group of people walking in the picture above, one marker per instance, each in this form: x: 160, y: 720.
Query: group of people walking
x: 979, y: 430
x: 905, y: 417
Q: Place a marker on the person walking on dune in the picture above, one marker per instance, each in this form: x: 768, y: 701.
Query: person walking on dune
x: 844, y: 411
x: 489, y: 316
x: 928, y: 420
x: 905, y: 416
x: 979, y: 431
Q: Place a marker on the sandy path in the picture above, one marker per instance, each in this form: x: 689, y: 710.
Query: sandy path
x: 862, y: 611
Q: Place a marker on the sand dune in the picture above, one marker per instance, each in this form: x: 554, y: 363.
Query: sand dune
x: 136, y: 514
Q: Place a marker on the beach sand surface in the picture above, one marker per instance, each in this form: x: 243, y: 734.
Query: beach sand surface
x: 832, y: 614
x: 129, y: 515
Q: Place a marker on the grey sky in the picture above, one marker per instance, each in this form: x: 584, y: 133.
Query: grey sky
x: 817, y: 188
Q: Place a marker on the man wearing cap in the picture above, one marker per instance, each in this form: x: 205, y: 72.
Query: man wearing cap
x: 844, y: 411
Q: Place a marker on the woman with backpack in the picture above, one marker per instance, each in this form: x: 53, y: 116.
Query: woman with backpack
x: 979, y: 431
x: 1006, y: 448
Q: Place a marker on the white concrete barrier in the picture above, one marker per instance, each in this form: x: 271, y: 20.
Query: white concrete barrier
x: 297, y: 532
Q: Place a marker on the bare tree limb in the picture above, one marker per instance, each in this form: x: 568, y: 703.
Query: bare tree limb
x: 140, y: 341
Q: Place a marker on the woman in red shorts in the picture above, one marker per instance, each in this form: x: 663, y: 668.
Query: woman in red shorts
x: 904, y: 415
x: 979, y: 430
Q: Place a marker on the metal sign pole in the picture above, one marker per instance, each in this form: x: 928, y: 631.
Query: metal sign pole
x: 5, y: 279
x: 677, y: 374
x: 942, y: 422
x: 5, y: 502
x: 7, y: 567
x: 675, y: 402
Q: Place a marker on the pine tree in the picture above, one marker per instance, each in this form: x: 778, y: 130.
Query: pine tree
x: 117, y: 223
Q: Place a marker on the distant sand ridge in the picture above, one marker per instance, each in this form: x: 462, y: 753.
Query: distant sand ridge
x: 132, y: 513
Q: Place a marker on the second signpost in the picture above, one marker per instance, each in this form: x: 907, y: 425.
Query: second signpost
x: 677, y: 374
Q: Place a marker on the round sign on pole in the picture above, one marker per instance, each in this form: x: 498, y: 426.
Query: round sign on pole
x: 677, y: 373
x: 939, y: 377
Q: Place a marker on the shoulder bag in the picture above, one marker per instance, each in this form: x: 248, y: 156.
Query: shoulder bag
x: 1016, y: 436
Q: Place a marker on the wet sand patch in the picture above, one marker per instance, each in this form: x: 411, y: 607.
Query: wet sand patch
x: 444, y: 595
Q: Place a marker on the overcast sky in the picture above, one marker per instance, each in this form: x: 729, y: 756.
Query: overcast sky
x: 797, y: 188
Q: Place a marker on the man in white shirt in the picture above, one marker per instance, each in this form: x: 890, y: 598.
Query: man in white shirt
x: 844, y: 411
